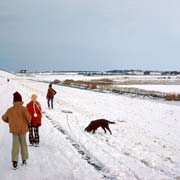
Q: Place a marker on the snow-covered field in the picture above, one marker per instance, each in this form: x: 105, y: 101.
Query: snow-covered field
x: 116, y: 78
x: 159, y: 83
x: 144, y: 144
x: 160, y: 88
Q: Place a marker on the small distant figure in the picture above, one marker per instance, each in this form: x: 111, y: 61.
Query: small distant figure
x: 18, y: 118
x: 50, y: 96
x: 34, y: 109
x: 8, y: 80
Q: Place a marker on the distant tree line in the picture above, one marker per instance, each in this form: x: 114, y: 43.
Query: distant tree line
x: 111, y: 72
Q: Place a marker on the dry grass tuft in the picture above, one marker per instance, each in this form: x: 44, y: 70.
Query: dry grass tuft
x: 93, y: 84
x: 172, y: 97
x: 56, y: 81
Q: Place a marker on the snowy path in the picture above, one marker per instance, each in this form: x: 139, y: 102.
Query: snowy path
x: 144, y: 145
x: 54, y: 159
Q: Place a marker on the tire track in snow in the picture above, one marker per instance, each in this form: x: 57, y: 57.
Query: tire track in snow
x: 121, y: 163
x: 133, y: 174
x: 85, y: 154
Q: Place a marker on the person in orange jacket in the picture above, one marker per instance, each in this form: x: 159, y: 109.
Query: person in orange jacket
x: 18, y: 119
x: 34, y: 109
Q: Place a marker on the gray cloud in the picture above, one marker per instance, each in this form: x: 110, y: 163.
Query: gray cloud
x: 6, y: 18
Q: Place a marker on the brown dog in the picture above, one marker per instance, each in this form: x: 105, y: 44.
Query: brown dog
x: 99, y: 123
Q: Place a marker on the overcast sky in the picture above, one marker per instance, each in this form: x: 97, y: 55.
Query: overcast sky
x: 89, y: 34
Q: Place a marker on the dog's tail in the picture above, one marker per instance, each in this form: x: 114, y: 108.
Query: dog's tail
x: 111, y: 122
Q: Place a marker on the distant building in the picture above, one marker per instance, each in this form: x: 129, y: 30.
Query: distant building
x: 170, y: 73
x: 23, y: 71
x: 146, y: 72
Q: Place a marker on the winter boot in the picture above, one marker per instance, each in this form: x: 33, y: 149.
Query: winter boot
x: 14, y: 163
x: 36, y: 145
x: 24, y: 162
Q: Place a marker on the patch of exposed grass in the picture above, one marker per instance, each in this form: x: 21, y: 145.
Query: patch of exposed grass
x: 172, y: 97
x: 93, y: 84
x: 56, y: 81
x: 107, y: 84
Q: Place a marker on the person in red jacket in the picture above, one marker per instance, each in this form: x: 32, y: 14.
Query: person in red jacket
x: 50, y: 96
x: 34, y: 109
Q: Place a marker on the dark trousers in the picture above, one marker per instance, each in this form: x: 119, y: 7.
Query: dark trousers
x: 50, y: 102
x: 33, y: 134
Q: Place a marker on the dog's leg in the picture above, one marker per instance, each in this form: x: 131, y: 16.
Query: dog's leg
x: 108, y: 129
x: 94, y: 131
x: 104, y: 129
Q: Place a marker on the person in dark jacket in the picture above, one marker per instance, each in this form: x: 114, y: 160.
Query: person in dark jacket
x: 50, y: 96
x: 34, y: 109
x: 18, y: 119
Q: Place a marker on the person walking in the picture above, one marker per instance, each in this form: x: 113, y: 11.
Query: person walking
x: 34, y: 109
x: 50, y: 96
x: 18, y: 119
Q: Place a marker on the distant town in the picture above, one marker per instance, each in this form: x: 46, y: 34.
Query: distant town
x: 110, y: 72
